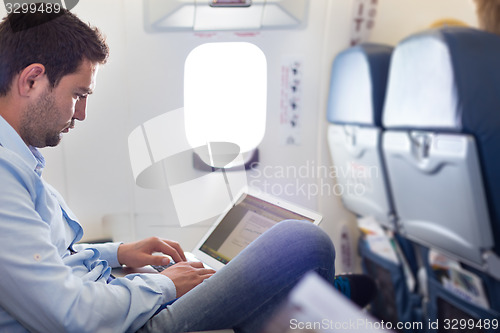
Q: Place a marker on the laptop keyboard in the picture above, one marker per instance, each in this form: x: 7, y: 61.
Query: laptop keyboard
x: 160, y: 268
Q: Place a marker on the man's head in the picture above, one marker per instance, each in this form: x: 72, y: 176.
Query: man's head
x: 488, y: 13
x: 46, y: 72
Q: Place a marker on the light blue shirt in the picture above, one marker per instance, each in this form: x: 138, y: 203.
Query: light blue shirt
x: 45, y: 288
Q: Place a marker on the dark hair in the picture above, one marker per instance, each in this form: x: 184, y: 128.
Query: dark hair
x: 60, y: 42
x: 488, y: 13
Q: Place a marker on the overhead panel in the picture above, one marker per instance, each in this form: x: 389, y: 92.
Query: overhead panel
x: 215, y: 15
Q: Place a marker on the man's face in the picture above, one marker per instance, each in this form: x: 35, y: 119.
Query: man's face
x: 54, y: 111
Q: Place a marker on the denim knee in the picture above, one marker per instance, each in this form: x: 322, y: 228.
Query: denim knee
x: 293, y: 230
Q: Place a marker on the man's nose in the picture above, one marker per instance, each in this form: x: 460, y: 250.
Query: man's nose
x: 80, y: 109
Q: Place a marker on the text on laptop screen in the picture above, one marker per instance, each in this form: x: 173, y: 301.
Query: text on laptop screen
x: 247, y: 220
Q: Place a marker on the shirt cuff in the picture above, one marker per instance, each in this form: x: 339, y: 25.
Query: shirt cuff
x: 164, y: 283
x: 167, y: 286
x: 108, y: 251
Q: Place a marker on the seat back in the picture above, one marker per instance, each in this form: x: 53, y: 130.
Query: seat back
x: 442, y: 141
x: 357, y: 90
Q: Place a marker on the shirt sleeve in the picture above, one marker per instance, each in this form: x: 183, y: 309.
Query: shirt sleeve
x: 42, y: 293
x: 109, y: 251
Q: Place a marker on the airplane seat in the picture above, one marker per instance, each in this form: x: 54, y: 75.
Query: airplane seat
x: 356, y: 98
x: 448, y: 311
x: 442, y: 150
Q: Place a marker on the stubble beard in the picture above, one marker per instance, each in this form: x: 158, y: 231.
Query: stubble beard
x: 36, y: 126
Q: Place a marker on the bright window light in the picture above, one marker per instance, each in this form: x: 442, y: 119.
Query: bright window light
x: 225, y: 95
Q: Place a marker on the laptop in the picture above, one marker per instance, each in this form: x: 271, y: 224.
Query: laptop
x: 250, y: 215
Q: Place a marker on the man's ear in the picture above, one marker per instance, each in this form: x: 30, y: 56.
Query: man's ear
x: 31, y: 78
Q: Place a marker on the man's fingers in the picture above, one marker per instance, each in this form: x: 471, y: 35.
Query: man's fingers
x: 160, y: 260
x: 177, y: 247
x: 187, y: 275
x: 200, y: 268
x: 172, y: 249
x: 205, y: 276
x: 196, y: 264
x: 204, y: 271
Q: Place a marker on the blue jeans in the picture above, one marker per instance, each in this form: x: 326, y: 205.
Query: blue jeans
x: 244, y: 294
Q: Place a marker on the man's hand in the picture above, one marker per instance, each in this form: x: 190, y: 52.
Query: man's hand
x: 187, y: 275
x: 138, y: 254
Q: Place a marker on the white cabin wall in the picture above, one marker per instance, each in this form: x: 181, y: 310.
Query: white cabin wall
x: 397, y: 19
x: 339, y: 223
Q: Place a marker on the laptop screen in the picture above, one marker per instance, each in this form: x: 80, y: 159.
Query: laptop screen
x: 244, y: 222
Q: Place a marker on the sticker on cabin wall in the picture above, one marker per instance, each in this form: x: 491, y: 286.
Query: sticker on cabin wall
x: 346, y: 250
x: 291, y: 100
x: 363, y: 20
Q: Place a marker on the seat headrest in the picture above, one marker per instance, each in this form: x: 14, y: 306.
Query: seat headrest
x: 447, y: 79
x: 358, y: 83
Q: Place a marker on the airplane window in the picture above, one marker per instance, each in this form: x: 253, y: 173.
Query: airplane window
x: 225, y: 95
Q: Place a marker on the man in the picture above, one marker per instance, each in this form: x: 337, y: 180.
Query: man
x: 48, y: 68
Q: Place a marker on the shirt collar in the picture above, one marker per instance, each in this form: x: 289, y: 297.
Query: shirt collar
x: 10, y: 140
